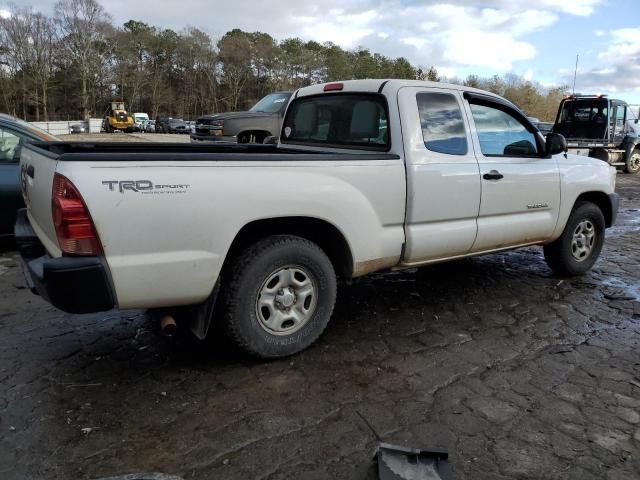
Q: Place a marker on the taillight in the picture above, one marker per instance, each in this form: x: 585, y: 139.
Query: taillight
x: 74, y: 227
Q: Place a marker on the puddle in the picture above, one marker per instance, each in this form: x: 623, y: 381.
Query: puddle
x: 628, y: 221
x: 616, y: 289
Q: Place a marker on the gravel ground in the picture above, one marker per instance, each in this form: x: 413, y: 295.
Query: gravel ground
x: 517, y: 373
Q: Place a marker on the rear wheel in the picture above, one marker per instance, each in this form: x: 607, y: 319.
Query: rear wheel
x: 579, y: 246
x: 633, y: 162
x: 280, y: 296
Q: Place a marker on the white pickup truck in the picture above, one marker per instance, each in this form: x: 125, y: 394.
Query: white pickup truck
x: 367, y: 175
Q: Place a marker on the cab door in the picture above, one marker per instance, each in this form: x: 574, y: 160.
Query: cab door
x: 520, y: 184
x: 443, y: 180
x: 10, y: 193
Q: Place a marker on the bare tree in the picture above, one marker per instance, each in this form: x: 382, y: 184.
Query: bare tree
x: 15, y: 33
x: 44, y: 41
x: 235, y: 55
x: 82, y: 24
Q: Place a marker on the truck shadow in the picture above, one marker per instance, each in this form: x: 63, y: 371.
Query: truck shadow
x: 397, y: 302
x: 388, y: 332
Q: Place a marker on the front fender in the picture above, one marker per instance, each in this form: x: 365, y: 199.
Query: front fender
x: 579, y: 176
x: 629, y: 143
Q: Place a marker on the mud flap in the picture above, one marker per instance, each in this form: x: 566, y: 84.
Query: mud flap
x: 202, y: 315
x: 402, y: 463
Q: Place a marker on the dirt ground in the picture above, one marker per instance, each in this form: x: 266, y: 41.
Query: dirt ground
x: 516, y: 372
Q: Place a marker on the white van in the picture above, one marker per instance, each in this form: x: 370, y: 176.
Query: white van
x: 140, y: 121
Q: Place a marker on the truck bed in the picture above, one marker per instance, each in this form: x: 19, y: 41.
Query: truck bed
x: 172, y: 211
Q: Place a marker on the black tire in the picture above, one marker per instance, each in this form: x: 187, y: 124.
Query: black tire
x: 559, y: 254
x: 241, y: 316
x: 632, y: 164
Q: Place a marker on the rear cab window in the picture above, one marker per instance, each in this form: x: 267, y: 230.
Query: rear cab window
x: 442, y: 125
x: 340, y: 120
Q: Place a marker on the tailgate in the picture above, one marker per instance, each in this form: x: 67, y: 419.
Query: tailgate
x: 37, y: 168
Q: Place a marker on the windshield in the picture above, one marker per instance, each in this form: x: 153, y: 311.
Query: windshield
x: 584, y: 111
x: 273, y: 103
x: 338, y: 120
x: 585, y: 118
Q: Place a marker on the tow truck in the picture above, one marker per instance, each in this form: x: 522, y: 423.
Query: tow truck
x: 600, y: 127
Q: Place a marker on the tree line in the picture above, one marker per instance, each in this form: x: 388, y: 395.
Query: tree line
x: 72, y: 64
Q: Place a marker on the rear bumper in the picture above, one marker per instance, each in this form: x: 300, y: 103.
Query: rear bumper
x: 614, y: 200
x: 72, y: 284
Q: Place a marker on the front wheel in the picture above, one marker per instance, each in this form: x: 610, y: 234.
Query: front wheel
x: 633, y: 162
x: 579, y: 246
x: 280, y: 297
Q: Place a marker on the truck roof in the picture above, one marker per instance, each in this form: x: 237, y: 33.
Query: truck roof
x: 380, y: 85
x: 579, y: 96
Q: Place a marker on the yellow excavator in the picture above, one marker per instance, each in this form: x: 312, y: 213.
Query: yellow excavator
x: 116, y: 117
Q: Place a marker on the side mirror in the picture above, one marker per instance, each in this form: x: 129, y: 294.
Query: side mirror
x: 555, y: 144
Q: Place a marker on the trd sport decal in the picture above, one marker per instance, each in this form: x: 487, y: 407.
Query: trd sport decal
x: 143, y: 186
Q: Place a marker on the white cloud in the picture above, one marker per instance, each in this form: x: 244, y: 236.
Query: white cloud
x: 619, y: 65
x: 4, y: 13
x: 446, y: 72
x: 493, y: 50
x: 417, y: 42
x: 574, y: 7
x: 625, y: 43
x: 345, y: 29
x: 457, y: 36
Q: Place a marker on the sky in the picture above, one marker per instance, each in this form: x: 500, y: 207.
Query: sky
x: 537, y: 39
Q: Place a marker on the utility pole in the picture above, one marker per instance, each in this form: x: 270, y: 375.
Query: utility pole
x: 575, y: 72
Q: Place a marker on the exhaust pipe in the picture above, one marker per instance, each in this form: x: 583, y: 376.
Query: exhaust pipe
x: 168, y: 326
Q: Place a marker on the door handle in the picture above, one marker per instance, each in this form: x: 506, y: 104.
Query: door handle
x: 493, y: 175
x: 31, y: 171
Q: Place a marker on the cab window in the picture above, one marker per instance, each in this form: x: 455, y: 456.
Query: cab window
x: 442, y: 125
x: 501, y: 134
x: 10, y: 145
x: 340, y: 120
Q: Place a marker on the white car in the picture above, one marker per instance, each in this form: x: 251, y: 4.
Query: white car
x: 367, y: 175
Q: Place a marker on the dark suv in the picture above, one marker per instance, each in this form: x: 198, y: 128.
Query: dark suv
x: 171, y: 125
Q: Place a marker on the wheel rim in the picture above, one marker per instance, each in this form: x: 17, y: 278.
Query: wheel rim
x: 634, y: 163
x: 286, y: 300
x: 584, y: 237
